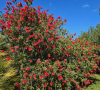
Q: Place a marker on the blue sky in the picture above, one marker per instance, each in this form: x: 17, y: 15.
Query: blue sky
x: 80, y: 14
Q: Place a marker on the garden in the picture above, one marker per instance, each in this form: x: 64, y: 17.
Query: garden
x: 37, y: 56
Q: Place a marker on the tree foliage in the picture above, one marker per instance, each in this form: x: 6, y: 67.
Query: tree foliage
x: 92, y: 35
x: 7, y: 72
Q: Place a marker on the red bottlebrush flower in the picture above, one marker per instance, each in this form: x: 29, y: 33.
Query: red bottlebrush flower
x: 86, y: 58
x: 38, y: 86
x: 47, y: 9
x: 49, y: 39
x: 18, y: 85
x: 60, y: 77
x: 18, y: 27
x: 69, y: 46
x: 74, y: 34
x: 30, y: 61
x: 32, y: 35
x: 94, y: 59
x: 46, y: 30
x: 58, y: 17
x: 45, y: 85
x: 48, y: 46
x: 22, y: 69
x: 53, y: 58
x: 77, y: 86
x: 61, y: 49
x: 51, y: 68
x: 29, y: 49
x: 21, y: 18
x: 46, y: 74
x: 53, y: 73
x: 54, y: 22
x: 51, y: 83
x: 89, y: 48
x: 47, y: 61
x: 65, y: 60
x: 53, y: 46
x: 76, y: 55
x: 35, y: 78
x: 93, y: 74
x: 24, y: 81
x: 65, y: 20
x: 44, y: 43
x: 31, y: 76
x: 60, y: 70
x: 13, y: 50
x: 62, y: 83
x: 55, y: 53
x: 28, y: 68
x: 74, y: 81
x: 38, y: 34
x: 17, y: 47
x: 41, y: 76
x: 26, y: 28
x: 11, y: 47
x: 65, y: 81
x: 25, y: 47
x: 39, y: 22
x: 34, y: 44
x: 70, y: 79
x: 47, y: 68
x: 99, y: 69
x: 29, y: 18
x: 97, y: 61
x: 86, y: 43
x: 25, y: 0
x: 41, y: 49
x: 46, y: 33
x: 35, y: 36
x: 34, y: 75
x: 28, y: 31
x: 48, y: 55
x: 51, y: 28
x: 8, y: 58
x: 91, y: 80
x: 85, y: 74
x: 77, y: 68
x: 63, y: 55
x: 55, y: 32
x: 39, y: 15
x: 38, y: 61
x: 70, y: 38
x: 28, y: 38
x: 78, y: 60
x: 18, y: 38
x: 49, y: 89
x: 2, y: 50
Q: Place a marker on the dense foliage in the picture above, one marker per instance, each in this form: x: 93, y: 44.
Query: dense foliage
x: 8, y: 75
x: 45, y: 59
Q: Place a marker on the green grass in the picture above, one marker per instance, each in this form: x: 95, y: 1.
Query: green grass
x: 95, y: 85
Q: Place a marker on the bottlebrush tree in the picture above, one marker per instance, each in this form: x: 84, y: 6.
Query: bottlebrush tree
x: 44, y: 59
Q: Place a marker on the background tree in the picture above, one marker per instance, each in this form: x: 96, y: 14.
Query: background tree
x: 8, y: 74
x: 92, y: 35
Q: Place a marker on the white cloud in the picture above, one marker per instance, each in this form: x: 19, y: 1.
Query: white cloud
x: 86, y: 5
x: 95, y: 10
x: 50, y: 4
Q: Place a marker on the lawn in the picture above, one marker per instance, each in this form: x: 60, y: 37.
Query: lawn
x: 95, y: 85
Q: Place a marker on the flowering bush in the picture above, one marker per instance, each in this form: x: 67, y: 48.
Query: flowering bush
x: 45, y: 59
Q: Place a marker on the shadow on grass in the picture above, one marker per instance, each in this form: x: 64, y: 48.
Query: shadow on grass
x: 95, y: 85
